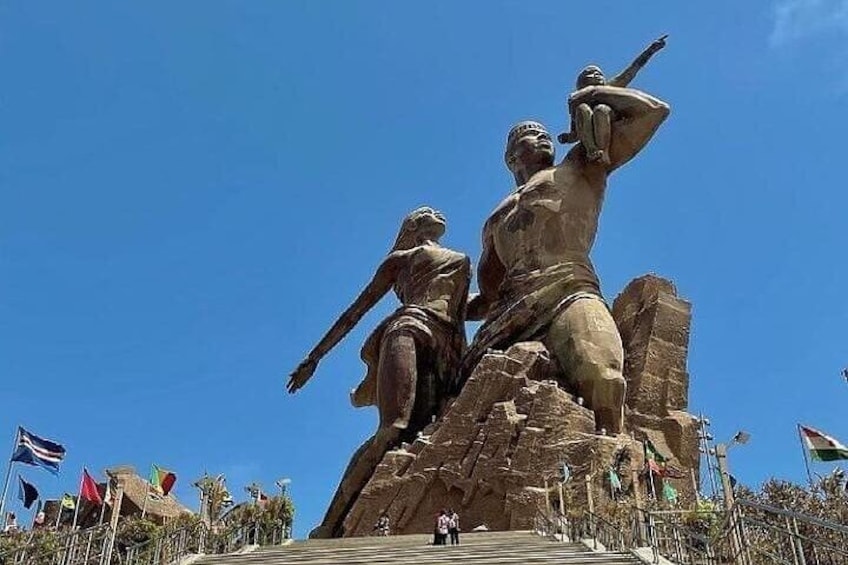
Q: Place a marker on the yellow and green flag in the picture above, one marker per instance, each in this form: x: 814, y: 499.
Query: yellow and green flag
x: 68, y: 502
x: 162, y: 480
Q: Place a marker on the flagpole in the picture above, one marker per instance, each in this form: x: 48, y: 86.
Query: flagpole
x: 804, y: 452
x: 79, y: 500
x: 8, y: 477
x: 146, y: 496
x: 37, y: 510
x: 60, y: 511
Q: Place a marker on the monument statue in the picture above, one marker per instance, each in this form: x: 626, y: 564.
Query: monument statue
x: 535, y: 276
x: 412, y: 357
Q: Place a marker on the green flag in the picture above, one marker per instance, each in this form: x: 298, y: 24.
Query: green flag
x: 615, y: 481
x: 669, y: 492
x: 653, y: 454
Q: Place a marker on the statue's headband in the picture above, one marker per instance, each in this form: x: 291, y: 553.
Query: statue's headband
x: 517, y: 131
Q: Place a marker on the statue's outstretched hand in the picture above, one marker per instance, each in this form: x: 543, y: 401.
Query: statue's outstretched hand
x: 659, y: 43
x: 302, y: 374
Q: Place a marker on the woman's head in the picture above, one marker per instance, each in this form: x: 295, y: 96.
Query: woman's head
x: 420, y: 225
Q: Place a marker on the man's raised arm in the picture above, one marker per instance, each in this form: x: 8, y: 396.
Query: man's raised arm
x: 637, y: 116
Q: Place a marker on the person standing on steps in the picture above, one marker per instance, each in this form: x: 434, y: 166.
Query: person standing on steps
x: 442, y: 527
x: 453, y: 527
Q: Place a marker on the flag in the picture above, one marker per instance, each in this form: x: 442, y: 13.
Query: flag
x: 669, y: 492
x: 27, y: 492
x: 615, y: 481
x: 68, y: 502
x: 107, y: 496
x: 88, y: 490
x: 652, y: 453
x: 33, y: 450
x: 822, y: 447
x: 162, y: 480
x: 226, y: 497
x: 673, y: 472
x: 40, y: 517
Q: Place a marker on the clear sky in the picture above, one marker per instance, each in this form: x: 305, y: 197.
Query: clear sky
x: 191, y: 192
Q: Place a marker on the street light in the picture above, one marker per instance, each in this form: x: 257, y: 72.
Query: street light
x: 741, y: 438
x: 283, y: 484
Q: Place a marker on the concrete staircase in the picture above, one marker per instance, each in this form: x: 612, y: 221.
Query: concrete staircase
x: 483, y: 548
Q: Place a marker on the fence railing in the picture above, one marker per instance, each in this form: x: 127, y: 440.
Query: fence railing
x: 750, y: 534
x: 670, y: 537
x: 775, y: 535
x: 168, y: 548
x: 237, y: 537
x: 554, y: 526
x: 82, y: 547
x: 603, y: 533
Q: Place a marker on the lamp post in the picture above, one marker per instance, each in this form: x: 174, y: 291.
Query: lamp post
x: 254, y: 489
x: 283, y: 484
x: 284, y: 487
x: 740, y: 438
x: 204, y: 484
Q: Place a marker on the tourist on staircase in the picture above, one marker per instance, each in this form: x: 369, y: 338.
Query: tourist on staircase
x: 453, y: 527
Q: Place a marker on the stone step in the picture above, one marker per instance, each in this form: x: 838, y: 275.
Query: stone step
x: 537, y: 542
x: 478, y: 548
x: 428, y: 553
x: 414, y: 539
x: 613, y: 559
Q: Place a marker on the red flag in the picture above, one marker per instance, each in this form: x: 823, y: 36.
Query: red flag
x: 89, y: 489
x: 654, y: 467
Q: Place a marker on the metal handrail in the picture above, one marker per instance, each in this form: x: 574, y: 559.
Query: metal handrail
x: 80, y: 547
x: 790, y: 537
x: 168, y: 548
x: 555, y: 527
x: 792, y: 514
x: 611, y: 536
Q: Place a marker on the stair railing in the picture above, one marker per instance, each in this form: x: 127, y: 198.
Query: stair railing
x: 775, y: 535
x: 602, y: 532
x: 671, y: 539
x: 169, y: 548
x: 80, y: 547
x: 554, y: 526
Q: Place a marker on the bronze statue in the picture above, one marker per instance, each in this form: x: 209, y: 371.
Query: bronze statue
x: 413, y: 356
x: 535, y: 277
x: 591, y: 125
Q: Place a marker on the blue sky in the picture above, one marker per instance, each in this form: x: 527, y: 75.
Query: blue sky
x: 190, y: 193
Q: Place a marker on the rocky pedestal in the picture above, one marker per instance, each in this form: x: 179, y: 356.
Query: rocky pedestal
x: 654, y: 324
x: 505, y: 437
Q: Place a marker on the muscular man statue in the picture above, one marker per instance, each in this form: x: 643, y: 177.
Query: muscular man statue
x: 412, y: 357
x: 535, y: 276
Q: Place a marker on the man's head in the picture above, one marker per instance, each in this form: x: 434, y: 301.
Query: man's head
x: 591, y: 76
x: 528, y: 146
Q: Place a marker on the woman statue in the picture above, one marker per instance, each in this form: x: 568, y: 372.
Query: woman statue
x: 412, y: 357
